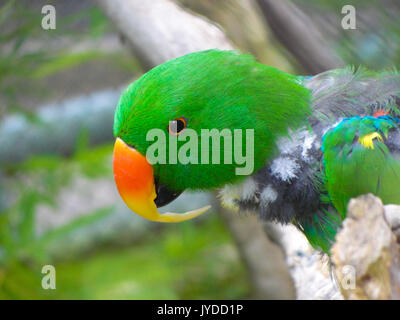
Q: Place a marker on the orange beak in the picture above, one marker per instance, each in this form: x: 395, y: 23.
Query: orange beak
x: 135, y: 183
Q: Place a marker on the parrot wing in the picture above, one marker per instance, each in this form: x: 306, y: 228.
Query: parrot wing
x: 362, y: 155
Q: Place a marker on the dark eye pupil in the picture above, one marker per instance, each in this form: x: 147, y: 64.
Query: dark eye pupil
x: 180, y: 125
x: 176, y: 126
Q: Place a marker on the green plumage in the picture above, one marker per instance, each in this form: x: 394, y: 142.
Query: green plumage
x: 352, y: 169
x: 212, y: 89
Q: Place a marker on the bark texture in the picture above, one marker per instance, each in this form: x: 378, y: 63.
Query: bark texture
x: 299, y: 35
x: 366, y: 254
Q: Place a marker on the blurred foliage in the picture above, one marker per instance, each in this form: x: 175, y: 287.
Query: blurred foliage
x: 179, y: 264
x: 38, y: 181
x: 24, y: 66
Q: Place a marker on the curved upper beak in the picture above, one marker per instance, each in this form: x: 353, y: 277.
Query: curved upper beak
x: 135, y: 183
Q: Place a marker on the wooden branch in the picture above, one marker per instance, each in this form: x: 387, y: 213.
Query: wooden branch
x: 250, y: 35
x: 159, y: 30
x: 366, y: 254
x: 59, y: 126
x: 299, y: 35
x: 309, y: 269
x: 264, y: 259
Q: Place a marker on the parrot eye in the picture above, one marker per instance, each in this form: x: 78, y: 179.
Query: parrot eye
x: 176, y: 126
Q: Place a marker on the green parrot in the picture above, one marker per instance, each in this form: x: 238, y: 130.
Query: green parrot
x: 314, y: 142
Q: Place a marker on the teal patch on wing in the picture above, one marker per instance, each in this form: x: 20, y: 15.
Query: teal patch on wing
x: 359, y: 157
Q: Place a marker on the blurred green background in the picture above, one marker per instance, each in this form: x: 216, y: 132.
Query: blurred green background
x: 60, y: 207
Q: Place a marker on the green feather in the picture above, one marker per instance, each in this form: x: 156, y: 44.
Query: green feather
x: 352, y: 169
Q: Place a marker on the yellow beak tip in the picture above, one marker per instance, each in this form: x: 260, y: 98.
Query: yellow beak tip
x: 180, y: 217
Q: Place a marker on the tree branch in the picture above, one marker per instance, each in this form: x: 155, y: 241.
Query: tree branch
x: 299, y: 35
x: 264, y: 259
x: 160, y: 30
x: 366, y: 254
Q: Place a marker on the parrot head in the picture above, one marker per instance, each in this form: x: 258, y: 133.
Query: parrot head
x: 209, y: 91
